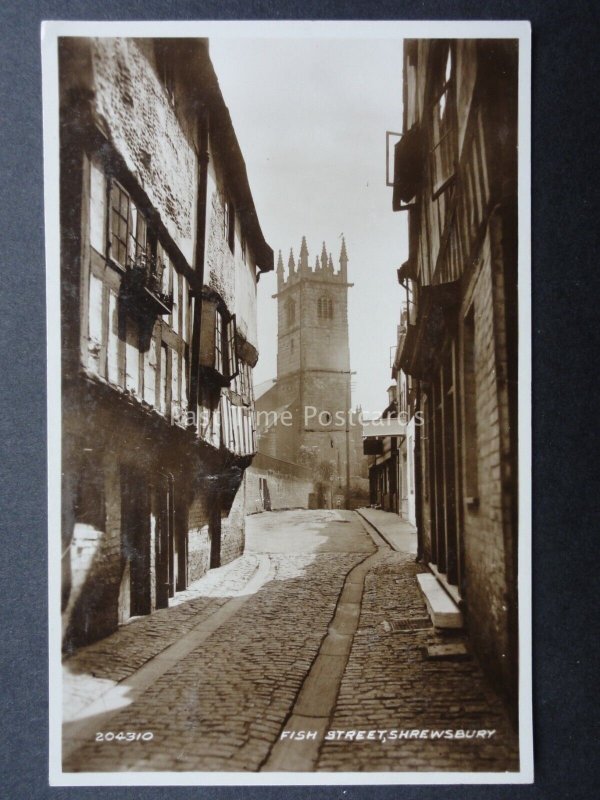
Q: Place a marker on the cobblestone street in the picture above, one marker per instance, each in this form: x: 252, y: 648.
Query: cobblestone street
x: 319, y: 627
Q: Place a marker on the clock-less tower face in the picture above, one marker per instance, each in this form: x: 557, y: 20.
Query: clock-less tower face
x: 313, y: 356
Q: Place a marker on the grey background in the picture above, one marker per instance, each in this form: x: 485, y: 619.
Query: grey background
x: 565, y: 320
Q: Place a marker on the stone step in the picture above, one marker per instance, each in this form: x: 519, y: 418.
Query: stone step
x: 456, y: 651
x: 442, y: 609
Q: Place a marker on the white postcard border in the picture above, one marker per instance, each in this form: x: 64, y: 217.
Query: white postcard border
x: 51, y: 30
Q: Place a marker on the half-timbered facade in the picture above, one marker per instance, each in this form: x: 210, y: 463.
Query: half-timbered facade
x: 456, y: 176
x: 161, y: 251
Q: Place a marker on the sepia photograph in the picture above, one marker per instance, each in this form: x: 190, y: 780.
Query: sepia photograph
x: 289, y: 402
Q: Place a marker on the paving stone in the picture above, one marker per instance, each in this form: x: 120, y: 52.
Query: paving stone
x: 217, y: 688
x: 224, y: 705
x: 388, y: 684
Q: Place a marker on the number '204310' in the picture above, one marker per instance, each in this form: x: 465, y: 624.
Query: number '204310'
x: 128, y: 736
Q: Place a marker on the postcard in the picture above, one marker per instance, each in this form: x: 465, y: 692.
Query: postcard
x: 288, y: 290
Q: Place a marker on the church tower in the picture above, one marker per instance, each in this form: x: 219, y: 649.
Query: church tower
x: 313, y: 359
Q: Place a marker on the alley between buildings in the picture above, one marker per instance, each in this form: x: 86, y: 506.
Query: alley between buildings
x: 309, y: 652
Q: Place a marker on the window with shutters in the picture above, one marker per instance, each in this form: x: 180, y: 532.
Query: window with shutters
x: 218, y: 356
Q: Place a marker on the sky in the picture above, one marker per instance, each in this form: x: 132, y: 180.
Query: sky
x: 311, y: 116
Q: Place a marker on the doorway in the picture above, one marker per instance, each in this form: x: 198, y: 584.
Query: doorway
x: 214, y: 530
x: 135, y: 541
x: 165, y: 545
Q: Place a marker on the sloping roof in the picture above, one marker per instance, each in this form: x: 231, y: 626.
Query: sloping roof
x: 263, y: 387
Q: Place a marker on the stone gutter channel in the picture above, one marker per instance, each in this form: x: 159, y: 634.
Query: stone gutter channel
x: 316, y: 701
x: 129, y: 690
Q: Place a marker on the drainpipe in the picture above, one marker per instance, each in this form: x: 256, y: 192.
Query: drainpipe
x: 203, y: 159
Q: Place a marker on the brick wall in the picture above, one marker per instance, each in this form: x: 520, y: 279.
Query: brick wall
x: 426, y: 482
x: 484, y: 542
x: 485, y: 581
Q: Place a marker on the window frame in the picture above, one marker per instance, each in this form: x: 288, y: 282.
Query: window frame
x: 114, y: 185
x: 117, y: 330
x: 325, y: 307
x: 233, y: 362
x: 443, y: 128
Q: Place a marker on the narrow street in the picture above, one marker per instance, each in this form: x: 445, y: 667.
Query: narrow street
x: 319, y: 627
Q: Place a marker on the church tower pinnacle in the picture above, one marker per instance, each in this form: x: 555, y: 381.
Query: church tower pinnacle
x: 313, y: 361
x: 280, y: 278
x: 344, y: 261
x: 303, y: 255
x: 324, y: 260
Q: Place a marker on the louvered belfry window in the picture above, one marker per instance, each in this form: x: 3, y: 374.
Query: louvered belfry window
x: 325, y: 308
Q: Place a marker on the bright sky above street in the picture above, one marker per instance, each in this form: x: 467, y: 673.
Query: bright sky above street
x: 311, y: 116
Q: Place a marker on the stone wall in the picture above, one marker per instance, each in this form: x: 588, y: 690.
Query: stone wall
x: 201, y: 512
x: 198, y: 538
x: 289, y: 485
x: 92, y: 562
x: 232, y: 528
x: 232, y: 275
x: 145, y: 130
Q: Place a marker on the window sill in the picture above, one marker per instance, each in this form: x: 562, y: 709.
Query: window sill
x: 444, y: 612
x: 449, y: 588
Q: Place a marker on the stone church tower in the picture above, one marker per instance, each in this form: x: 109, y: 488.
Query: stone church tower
x: 313, y: 361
